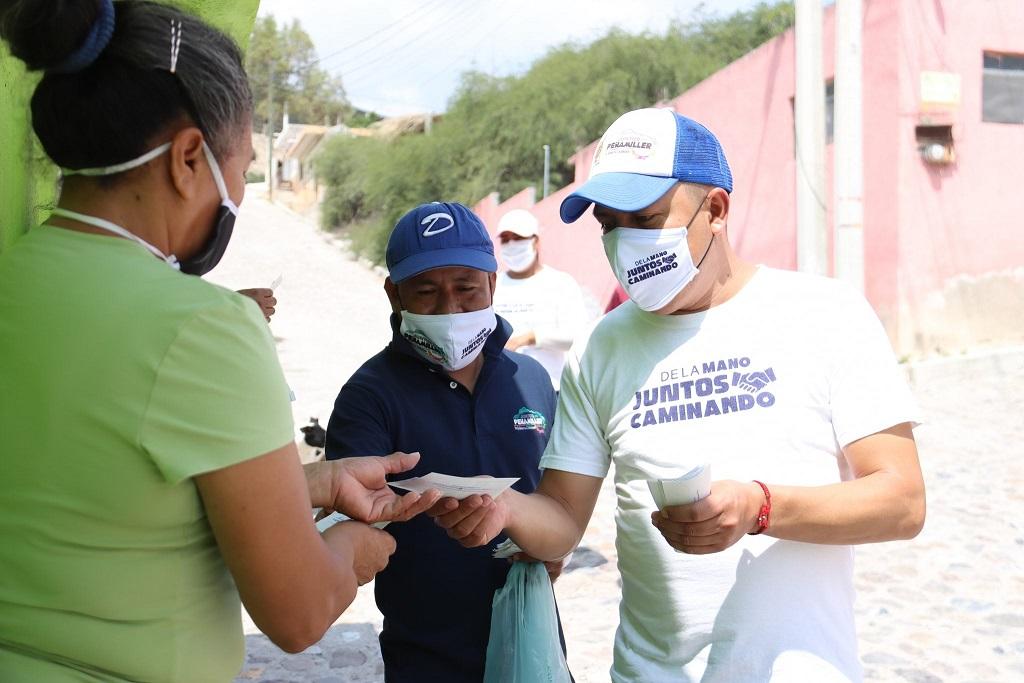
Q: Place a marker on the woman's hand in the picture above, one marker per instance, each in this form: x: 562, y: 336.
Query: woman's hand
x: 369, y: 548
x: 357, y: 487
x: 264, y: 298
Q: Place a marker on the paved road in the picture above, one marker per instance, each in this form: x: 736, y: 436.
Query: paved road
x: 947, y: 607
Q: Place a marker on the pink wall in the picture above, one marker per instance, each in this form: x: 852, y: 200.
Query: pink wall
x: 959, y: 225
x: 882, y: 119
x: 925, y: 226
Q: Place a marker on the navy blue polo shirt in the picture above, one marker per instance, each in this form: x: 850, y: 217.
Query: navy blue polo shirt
x: 436, y: 595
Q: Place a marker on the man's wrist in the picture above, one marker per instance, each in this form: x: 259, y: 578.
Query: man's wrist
x: 507, y: 503
x: 762, y: 498
x: 320, y: 481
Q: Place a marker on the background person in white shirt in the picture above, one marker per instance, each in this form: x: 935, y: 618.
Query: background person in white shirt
x: 784, y: 382
x: 544, y: 305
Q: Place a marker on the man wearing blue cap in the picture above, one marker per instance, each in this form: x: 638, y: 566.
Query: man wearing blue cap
x: 444, y: 387
x: 783, y: 383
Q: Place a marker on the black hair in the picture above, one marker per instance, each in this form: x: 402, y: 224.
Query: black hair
x: 109, y: 111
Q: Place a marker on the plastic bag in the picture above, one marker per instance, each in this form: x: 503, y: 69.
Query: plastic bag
x: 524, y: 646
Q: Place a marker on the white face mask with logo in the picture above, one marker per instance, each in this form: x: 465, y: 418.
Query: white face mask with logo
x: 651, y: 265
x: 451, y: 340
x: 518, y: 255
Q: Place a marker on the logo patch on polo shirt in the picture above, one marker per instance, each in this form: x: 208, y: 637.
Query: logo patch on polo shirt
x: 529, y: 420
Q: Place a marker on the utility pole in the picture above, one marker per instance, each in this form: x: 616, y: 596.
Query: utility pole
x: 270, y: 134
x: 811, y: 245
x: 849, y: 145
x: 547, y: 170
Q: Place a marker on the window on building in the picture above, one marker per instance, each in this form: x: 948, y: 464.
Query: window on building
x: 830, y: 100
x: 830, y: 110
x: 1002, y: 88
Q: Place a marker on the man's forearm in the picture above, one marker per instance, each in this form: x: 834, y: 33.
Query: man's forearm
x: 884, y: 502
x: 554, y: 338
x: 541, y: 525
x: 882, y: 506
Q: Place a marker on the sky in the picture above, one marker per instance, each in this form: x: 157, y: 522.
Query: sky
x: 405, y: 56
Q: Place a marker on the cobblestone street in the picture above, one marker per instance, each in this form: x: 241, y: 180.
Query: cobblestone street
x: 947, y: 607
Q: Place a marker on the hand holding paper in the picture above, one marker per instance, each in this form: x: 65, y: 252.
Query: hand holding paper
x: 358, y: 488
x: 714, y: 522
x: 689, y: 488
x: 458, y: 488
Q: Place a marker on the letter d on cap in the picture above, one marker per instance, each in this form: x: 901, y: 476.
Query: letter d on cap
x: 432, y: 219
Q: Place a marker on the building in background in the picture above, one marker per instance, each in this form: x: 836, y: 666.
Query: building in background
x: 295, y: 182
x: 943, y: 84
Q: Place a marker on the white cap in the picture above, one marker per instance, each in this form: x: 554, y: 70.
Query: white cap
x: 642, y: 155
x: 520, y: 222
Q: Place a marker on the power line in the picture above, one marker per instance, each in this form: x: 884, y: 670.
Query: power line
x: 462, y: 55
x: 472, y: 48
x: 410, y: 60
x: 362, y: 40
x: 427, y: 32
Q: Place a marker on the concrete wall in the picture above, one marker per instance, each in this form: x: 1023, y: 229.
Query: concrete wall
x: 27, y: 178
x: 944, y: 245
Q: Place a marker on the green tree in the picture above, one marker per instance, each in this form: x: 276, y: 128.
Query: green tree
x: 311, y: 94
x: 341, y: 164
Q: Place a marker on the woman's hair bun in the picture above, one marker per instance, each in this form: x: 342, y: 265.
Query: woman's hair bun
x: 43, y: 33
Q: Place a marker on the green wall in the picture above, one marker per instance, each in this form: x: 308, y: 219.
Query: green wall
x: 27, y: 179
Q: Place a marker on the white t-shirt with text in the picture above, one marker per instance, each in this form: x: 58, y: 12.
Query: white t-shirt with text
x: 769, y: 386
x: 551, y: 304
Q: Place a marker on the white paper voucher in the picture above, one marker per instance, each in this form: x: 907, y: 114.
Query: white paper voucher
x: 689, y: 488
x: 456, y: 487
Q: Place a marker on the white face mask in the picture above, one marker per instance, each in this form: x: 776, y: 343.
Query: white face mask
x: 451, y: 340
x: 651, y: 265
x: 518, y: 255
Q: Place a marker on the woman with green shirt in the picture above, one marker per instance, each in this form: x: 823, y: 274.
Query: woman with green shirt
x: 148, y: 471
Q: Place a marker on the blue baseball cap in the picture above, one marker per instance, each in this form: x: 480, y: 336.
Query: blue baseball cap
x: 438, y: 235
x: 642, y: 155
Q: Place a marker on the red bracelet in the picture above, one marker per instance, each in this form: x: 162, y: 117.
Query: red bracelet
x: 765, y: 515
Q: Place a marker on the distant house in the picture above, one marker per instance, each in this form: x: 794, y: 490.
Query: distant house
x: 943, y: 222
x: 396, y: 126
x: 296, y: 147
x: 293, y: 152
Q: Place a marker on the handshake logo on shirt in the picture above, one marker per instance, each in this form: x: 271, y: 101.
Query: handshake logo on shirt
x: 753, y: 381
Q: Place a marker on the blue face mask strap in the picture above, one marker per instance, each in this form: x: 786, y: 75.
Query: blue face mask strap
x: 118, y: 168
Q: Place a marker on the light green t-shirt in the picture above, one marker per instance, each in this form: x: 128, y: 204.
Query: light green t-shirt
x: 120, y: 379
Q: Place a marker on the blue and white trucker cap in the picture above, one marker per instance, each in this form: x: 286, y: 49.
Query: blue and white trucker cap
x: 438, y: 235
x: 642, y: 155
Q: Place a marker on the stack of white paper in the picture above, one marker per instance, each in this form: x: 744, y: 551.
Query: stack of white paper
x: 506, y: 548
x: 335, y: 517
x: 456, y: 487
x: 689, y: 488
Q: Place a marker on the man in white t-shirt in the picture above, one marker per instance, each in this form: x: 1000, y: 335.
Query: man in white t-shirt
x: 544, y: 305
x: 784, y: 383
